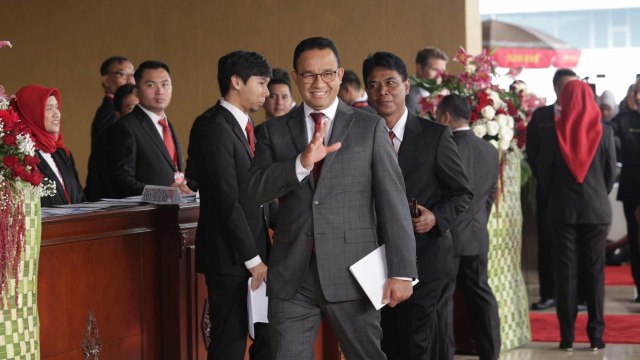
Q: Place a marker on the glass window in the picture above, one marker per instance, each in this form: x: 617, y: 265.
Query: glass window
x: 634, y: 26
x: 574, y: 29
x: 600, y: 29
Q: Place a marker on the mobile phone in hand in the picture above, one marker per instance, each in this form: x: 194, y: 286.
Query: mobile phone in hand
x: 413, y: 206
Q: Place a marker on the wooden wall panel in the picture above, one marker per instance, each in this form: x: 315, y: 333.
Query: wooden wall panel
x: 62, y: 43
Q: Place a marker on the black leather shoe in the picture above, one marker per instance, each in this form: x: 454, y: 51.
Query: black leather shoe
x: 582, y: 307
x: 597, y: 345
x: 543, y: 304
x: 566, y: 345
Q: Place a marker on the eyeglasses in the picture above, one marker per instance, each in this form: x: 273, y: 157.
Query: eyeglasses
x: 326, y: 76
x: 121, y: 74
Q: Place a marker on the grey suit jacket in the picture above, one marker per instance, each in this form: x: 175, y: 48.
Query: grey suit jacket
x: 360, y: 192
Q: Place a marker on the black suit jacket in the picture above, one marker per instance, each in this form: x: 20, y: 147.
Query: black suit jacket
x: 67, y: 167
x: 627, y: 129
x: 433, y: 175
x: 138, y: 156
x: 97, y: 184
x: 480, y: 162
x: 570, y: 202
x: 542, y: 118
x: 230, y: 229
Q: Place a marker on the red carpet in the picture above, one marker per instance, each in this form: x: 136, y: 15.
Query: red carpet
x: 619, y: 329
x: 618, y: 275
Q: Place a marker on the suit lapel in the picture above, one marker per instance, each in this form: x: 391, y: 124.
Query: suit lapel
x: 341, y: 124
x: 298, y: 128
x: 237, y: 131
x: 410, y: 142
x: 150, y: 129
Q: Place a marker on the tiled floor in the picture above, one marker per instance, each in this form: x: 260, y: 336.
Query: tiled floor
x: 617, y: 301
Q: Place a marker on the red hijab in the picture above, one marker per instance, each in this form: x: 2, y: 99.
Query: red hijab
x: 578, y: 128
x: 30, y: 103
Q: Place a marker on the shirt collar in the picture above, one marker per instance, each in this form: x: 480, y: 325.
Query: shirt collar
x: 398, y: 128
x: 364, y: 98
x: 241, y: 117
x: 329, y: 112
x: 153, y: 116
x: 463, y: 128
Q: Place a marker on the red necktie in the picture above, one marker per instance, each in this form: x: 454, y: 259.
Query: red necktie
x: 317, y: 167
x: 168, y: 140
x: 250, y: 137
x: 392, y: 136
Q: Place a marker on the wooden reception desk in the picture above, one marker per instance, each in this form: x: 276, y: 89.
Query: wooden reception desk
x: 123, y: 282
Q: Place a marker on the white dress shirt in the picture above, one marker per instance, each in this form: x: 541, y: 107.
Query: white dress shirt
x: 155, y: 118
x: 52, y: 164
x: 398, y: 130
x: 328, y: 115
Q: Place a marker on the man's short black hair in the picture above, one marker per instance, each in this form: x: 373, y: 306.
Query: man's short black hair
x: 106, y: 65
x: 243, y: 64
x: 560, y: 73
x: 423, y: 56
x: 279, y: 77
x: 121, y: 93
x: 457, y: 106
x: 314, y: 43
x: 385, y: 60
x: 350, y: 78
x: 149, y: 65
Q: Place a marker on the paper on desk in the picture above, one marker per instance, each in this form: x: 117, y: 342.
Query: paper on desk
x: 371, y: 273
x: 257, y: 304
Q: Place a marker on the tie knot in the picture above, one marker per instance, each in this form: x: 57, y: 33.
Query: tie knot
x: 163, y: 122
x: 317, y: 117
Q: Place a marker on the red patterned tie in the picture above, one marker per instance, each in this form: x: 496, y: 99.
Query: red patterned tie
x: 168, y: 140
x: 392, y: 136
x: 317, y: 167
x: 250, y: 137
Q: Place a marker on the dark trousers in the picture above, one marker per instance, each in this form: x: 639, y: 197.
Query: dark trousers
x: 229, y: 321
x: 410, y: 330
x: 545, y: 249
x: 634, y: 246
x: 580, y: 244
x: 473, y: 282
x: 294, y: 323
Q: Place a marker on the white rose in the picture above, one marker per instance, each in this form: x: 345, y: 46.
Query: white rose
x: 506, y: 133
x: 502, y: 120
x: 444, y: 92
x: 510, y: 121
x: 492, y: 128
x: 497, y: 102
x: 479, y: 129
x: 504, y: 144
x: 494, y: 143
x: 488, y: 112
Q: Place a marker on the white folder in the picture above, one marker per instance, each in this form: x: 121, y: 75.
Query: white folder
x: 257, y: 305
x: 371, y: 273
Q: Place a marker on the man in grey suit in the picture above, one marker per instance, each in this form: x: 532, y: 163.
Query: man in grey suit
x: 338, y: 184
x: 471, y: 237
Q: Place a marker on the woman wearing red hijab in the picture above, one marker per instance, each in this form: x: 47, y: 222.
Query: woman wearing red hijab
x: 39, y: 107
x: 577, y: 170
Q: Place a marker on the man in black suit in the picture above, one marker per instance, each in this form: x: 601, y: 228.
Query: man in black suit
x: 116, y: 71
x: 145, y: 149
x: 232, y: 242
x: 543, y: 118
x: 433, y: 175
x: 627, y: 128
x: 471, y: 237
x: 576, y: 170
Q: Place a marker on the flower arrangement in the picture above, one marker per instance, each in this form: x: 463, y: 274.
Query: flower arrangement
x: 18, y: 172
x: 498, y: 116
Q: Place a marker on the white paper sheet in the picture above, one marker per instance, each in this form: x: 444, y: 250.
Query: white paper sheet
x: 257, y: 304
x: 371, y: 273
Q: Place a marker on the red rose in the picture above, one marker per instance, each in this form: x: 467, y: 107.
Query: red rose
x: 10, y: 140
x: 35, y: 178
x: 18, y: 171
x: 31, y: 160
x: 10, y: 161
x: 513, y: 111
